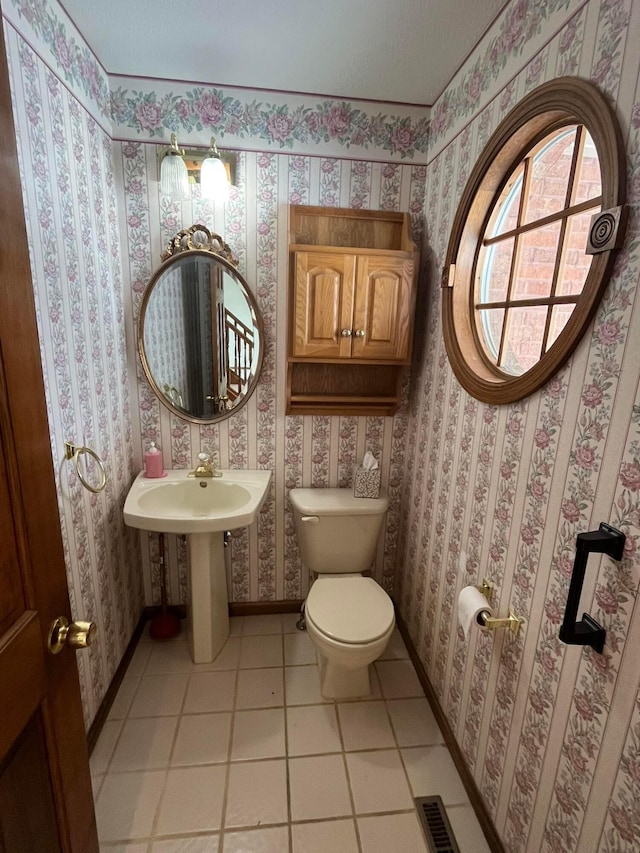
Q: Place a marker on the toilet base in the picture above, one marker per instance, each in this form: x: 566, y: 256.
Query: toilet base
x: 337, y: 682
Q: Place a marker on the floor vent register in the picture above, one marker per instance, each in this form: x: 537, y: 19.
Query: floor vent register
x: 436, y: 826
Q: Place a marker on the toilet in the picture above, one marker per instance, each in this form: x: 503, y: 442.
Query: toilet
x: 349, y: 618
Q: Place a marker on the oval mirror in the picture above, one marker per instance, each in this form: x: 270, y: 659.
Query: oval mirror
x: 200, y: 334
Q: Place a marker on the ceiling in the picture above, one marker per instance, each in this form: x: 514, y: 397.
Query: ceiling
x: 385, y: 50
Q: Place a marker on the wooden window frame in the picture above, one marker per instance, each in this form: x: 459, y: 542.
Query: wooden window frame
x: 563, y: 101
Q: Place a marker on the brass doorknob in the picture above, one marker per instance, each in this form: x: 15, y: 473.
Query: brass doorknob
x: 360, y: 333
x: 346, y: 333
x: 78, y: 635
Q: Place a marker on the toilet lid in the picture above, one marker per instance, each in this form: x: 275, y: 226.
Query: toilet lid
x: 350, y: 609
x: 335, y: 502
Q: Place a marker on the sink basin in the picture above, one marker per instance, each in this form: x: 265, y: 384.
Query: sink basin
x: 182, y: 504
x: 201, y: 508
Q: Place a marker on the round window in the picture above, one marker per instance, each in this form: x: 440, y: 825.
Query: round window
x: 530, y: 249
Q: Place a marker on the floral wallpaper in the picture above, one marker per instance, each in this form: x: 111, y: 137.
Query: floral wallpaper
x: 64, y: 49
x: 154, y: 109
x: 286, y: 123
x: 165, y: 339
x: 72, y: 224
x: 551, y: 733
x: 520, y: 30
x: 300, y: 451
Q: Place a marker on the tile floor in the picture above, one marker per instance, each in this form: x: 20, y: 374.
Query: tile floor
x: 244, y: 754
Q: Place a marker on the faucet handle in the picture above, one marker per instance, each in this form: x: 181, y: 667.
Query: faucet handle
x: 204, y: 457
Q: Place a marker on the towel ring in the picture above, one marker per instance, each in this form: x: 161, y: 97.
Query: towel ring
x: 73, y: 451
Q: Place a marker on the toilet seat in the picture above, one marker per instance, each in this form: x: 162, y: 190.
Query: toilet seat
x: 349, y: 609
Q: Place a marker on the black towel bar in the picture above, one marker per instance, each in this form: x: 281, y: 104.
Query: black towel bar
x: 605, y: 540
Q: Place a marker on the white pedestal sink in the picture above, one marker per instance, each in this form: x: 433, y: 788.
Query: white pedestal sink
x: 201, y: 508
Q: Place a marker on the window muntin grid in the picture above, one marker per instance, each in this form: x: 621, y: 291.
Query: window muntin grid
x: 531, y: 267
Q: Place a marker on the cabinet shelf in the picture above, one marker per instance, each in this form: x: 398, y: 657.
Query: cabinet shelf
x: 308, y: 404
x: 341, y: 398
x: 350, y: 250
x: 319, y: 388
x: 345, y: 408
x: 377, y: 230
x: 352, y: 361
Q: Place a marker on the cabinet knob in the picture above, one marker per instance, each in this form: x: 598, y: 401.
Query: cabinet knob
x: 360, y: 333
x: 346, y: 333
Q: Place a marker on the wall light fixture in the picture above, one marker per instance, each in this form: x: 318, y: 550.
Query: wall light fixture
x: 214, y: 182
x: 214, y: 170
x: 174, y: 178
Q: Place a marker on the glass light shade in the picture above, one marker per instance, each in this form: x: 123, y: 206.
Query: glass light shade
x: 214, y: 183
x: 174, y: 178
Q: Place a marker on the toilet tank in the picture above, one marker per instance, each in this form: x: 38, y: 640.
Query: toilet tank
x: 337, y: 533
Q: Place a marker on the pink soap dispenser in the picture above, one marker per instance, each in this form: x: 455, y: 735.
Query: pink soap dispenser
x: 153, y: 462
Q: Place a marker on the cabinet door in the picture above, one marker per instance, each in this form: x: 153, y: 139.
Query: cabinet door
x: 383, y: 306
x: 323, y: 304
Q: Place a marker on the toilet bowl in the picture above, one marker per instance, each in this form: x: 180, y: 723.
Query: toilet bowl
x: 350, y: 620
x: 349, y: 617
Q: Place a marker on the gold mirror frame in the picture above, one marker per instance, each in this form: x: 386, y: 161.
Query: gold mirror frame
x: 198, y: 242
x: 553, y: 104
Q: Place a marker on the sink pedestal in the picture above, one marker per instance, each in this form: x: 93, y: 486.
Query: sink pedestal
x: 207, y: 607
x: 200, y: 508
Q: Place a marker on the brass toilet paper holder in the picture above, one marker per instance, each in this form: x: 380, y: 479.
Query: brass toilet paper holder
x: 486, y: 588
x: 512, y: 622
x: 486, y: 620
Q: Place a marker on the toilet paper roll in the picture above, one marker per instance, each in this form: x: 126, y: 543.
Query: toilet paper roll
x: 470, y: 603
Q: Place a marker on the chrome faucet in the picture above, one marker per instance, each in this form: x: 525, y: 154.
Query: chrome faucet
x: 205, y: 467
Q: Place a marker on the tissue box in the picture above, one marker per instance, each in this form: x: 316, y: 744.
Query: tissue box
x: 366, y: 484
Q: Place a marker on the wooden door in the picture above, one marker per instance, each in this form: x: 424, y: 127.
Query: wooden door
x: 322, y: 317
x: 383, y: 308
x: 46, y: 802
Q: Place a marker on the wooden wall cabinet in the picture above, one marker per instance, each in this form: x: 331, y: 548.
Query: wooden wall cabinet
x: 352, y: 292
